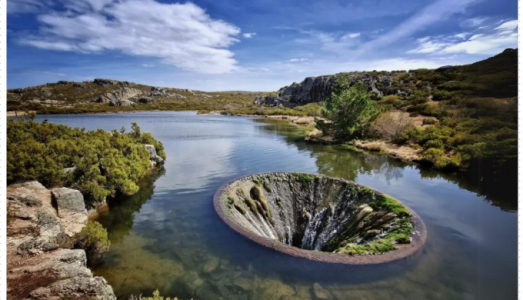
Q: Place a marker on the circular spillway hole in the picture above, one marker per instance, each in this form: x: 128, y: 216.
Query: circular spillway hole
x: 320, y: 218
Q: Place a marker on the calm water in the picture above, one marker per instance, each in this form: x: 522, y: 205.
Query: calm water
x: 169, y: 237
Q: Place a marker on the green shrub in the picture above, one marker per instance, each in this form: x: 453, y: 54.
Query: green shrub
x: 94, y: 240
x: 429, y: 121
x: 107, y: 163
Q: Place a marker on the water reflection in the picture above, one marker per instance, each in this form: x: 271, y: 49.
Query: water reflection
x: 503, y: 195
x: 169, y: 237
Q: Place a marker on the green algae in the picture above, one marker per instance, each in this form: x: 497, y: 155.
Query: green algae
x: 386, y: 203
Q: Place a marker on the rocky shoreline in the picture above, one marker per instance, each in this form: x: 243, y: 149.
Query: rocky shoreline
x: 39, y: 224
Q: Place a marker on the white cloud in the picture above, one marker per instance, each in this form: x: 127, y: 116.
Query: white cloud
x: 485, y: 44
x: 476, y: 36
x: 462, y: 35
x: 490, y: 41
x: 352, y: 35
x: 508, y: 26
x: 427, y: 46
x: 25, y: 6
x: 182, y: 35
x: 297, y: 59
x: 473, y: 22
x: 249, y: 35
x: 436, y: 12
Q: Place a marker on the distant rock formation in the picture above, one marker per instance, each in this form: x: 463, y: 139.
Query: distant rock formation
x: 319, y: 89
x: 164, y: 92
x: 36, y: 230
x: 120, y: 97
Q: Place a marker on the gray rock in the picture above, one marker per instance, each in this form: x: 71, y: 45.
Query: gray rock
x: 164, y: 92
x: 273, y: 101
x: 31, y: 185
x: 76, y: 288
x: 319, y: 89
x: 68, y: 201
x: 153, y: 155
x: 106, y: 82
x: 120, y: 97
x: 124, y: 103
x: 71, y: 210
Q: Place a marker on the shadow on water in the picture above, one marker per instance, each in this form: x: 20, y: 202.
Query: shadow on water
x: 498, y: 188
x: 119, y: 215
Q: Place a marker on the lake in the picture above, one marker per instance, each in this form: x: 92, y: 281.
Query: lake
x: 168, y: 236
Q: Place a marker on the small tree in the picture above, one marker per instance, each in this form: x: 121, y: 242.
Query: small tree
x: 350, y: 110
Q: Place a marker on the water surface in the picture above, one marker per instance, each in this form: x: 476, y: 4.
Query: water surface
x: 168, y: 236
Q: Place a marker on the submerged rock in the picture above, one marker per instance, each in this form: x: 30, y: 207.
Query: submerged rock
x: 319, y: 292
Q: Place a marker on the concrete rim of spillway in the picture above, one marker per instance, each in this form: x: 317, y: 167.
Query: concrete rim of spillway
x: 402, y: 252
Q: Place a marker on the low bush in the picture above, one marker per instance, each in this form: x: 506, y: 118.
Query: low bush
x: 94, y: 240
x: 391, y: 125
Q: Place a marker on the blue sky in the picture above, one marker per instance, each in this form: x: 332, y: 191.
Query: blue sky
x: 258, y: 45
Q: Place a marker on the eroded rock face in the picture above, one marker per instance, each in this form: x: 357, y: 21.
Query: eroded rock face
x: 314, y: 212
x: 38, y: 268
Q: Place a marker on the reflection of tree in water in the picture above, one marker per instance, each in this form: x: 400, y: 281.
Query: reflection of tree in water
x: 502, y: 194
x: 499, y: 188
x: 119, y: 219
x: 334, y: 160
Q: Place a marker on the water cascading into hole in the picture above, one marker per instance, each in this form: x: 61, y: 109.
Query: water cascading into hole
x: 319, y: 213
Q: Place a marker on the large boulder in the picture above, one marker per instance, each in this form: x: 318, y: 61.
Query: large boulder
x: 71, y: 209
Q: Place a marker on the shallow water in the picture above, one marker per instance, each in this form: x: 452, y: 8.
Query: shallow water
x: 168, y: 236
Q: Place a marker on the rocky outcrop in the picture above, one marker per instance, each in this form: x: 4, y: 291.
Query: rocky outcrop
x: 319, y: 89
x: 154, y: 157
x: 273, y: 101
x: 164, y: 92
x: 111, y: 82
x: 120, y: 97
x: 38, y: 267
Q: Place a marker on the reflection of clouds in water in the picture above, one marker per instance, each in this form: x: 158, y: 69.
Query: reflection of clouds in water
x: 196, y: 162
x: 438, y: 203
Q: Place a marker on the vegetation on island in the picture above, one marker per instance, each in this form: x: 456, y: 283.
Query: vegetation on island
x: 98, y: 163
